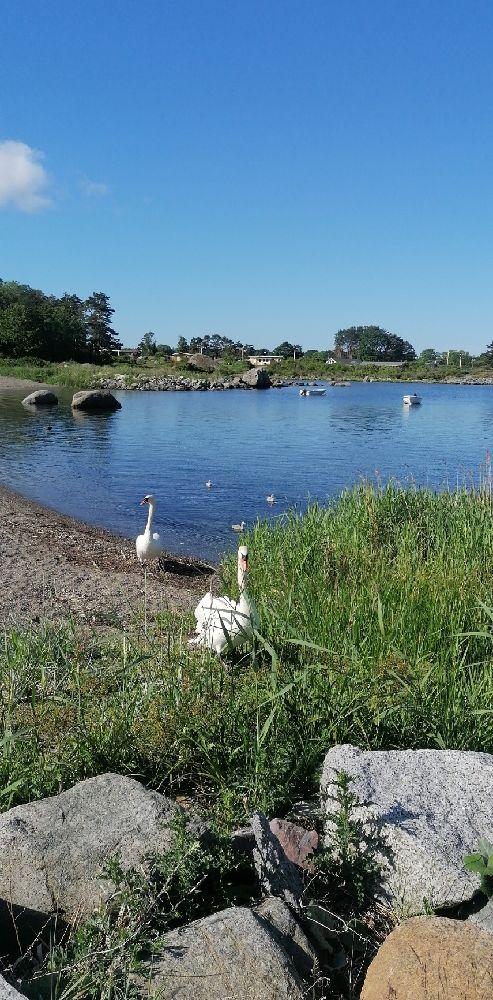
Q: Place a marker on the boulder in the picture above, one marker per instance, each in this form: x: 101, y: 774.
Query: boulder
x: 432, y: 958
x: 8, y: 992
x: 484, y: 918
x: 202, y: 362
x: 257, y: 378
x: 286, y: 930
x: 95, y: 399
x: 231, y: 954
x: 42, y: 397
x: 52, y: 851
x: 432, y: 807
x: 297, y: 843
x: 278, y: 876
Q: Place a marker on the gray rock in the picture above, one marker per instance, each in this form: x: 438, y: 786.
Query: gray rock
x: 41, y: 397
x: 231, y: 955
x: 202, y: 362
x: 433, y: 807
x: 289, y: 934
x: 278, y: 876
x: 8, y: 992
x: 484, y: 917
x: 257, y: 378
x: 95, y: 399
x: 52, y: 851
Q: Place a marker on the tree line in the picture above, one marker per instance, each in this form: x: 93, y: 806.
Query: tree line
x: 33, y: 324
x: 55, y: 329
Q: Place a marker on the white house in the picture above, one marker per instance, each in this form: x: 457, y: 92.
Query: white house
x: 262, y: 360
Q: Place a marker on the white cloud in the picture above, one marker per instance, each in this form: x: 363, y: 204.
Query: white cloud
x: 93, y: 189
x: 23, y: 179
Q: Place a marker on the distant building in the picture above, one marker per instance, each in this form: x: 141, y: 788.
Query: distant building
x: 128, y: 351
x: 331, y: 361
x: 181, y: 356
x: 262, y: 360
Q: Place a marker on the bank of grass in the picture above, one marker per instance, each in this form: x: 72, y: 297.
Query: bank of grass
x: 85, y: 376
x: 375, y: 630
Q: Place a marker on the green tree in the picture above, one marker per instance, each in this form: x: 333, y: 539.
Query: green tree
x: 372, y: 343
x: 165, y: 350
x: 430, y: 357
x: 287, y: 350
x: 182, y: 345
x: 148, y: 344
x: 101, y: 337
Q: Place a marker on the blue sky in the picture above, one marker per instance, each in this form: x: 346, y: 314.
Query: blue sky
x: 266, y: 170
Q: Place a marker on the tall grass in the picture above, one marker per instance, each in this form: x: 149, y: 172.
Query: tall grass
x: 374, y: 630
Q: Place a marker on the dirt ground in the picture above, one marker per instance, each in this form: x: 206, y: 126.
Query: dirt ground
x: 53, y: 567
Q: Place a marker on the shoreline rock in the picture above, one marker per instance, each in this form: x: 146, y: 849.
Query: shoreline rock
x: 42, y: 397
x: 191, y: 383
x: 95, y: 400
x: 430, y: 808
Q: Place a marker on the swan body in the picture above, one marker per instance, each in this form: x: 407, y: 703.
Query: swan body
x: 209, y: 484
x: 238, y: 527
x: 270, y: 498
x: 223, y: 623
x: 148, y: 545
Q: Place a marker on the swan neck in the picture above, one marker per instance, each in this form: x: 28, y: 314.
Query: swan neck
x: 150, y: 516
x: 241, y: 579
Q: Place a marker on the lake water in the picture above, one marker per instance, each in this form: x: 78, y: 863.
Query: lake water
x: 249, y: 443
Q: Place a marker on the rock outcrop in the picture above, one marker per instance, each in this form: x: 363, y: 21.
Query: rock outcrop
x: 202, y: 362
x: 41, y: 397
x: 52, y: 852
x: 257, y: 377
x: 232, y: 954
x: 432, y: 807
x: 432, y: 958
x: 95, y: 400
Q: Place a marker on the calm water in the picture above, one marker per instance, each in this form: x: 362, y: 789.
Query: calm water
x: 97, y: 468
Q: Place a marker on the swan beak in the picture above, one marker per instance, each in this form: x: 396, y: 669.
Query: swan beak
x: 143, y: 502
x: 244, y: 562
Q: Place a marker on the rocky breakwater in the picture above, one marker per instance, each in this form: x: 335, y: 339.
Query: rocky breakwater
x: 254, y: 379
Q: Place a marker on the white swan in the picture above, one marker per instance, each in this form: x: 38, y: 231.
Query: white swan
x: 238, y: 527
x: 222, y: 623
x: 209, y: 484
x: 270, y: 498
x: 148, y: 545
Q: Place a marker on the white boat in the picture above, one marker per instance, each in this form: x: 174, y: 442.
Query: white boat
x: 315, y: 391
x: 412, y: 400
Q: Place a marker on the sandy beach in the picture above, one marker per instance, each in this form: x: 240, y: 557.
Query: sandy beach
x: 55, y: 568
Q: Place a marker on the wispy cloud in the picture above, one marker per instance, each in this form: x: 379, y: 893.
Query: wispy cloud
x: 23, y: 179
x: 93, y: 189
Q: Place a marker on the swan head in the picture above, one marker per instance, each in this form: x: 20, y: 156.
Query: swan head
x: 148, y: 499
x: 242, y: 561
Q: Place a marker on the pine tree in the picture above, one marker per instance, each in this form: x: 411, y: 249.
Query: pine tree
x: 101, y: 337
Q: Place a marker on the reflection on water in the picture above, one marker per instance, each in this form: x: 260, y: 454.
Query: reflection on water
x: 98, y: 466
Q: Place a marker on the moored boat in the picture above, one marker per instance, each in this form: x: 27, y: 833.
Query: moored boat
x: 412, y: 399
x: 313, y: 391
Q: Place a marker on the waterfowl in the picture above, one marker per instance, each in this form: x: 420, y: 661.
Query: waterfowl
x: 209, y: 484
x: 148, y: 545
x: 238, y: 527
x: 270, y: 498
x: 223, y: 623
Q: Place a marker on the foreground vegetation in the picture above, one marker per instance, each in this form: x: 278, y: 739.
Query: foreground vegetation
x: 375, y: 630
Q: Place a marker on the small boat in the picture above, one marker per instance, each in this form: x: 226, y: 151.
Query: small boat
x: 315, y: 391
x: 341, y: 385
x: 412, y: 400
